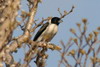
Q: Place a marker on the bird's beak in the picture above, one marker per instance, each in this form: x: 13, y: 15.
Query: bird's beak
x: 60, y: 21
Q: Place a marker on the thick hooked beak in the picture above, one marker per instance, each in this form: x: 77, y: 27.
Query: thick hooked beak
x: 60, y: 21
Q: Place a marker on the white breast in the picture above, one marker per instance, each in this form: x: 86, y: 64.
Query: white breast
x: 49, y: 33
x: 52, y: 28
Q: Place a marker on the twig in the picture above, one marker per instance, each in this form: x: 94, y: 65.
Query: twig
x: 65, y: 12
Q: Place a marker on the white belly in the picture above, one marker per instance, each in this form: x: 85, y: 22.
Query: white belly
x: 49, y: 33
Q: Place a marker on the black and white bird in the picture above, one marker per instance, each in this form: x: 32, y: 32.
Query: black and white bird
x: 48, y: 30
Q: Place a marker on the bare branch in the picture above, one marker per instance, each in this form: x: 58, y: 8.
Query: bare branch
x: 65, y: 12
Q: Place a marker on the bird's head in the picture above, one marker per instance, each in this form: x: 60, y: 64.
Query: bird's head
x: 56, y: 20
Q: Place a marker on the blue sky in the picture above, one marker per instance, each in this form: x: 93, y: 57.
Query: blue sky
x: 89, y: 9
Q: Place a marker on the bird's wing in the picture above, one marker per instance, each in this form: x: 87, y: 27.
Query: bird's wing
x: 40, y: 31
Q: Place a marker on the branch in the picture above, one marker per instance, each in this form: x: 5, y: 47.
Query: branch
x: 65, y: 12
x: 39, y: 54
x: 47, y: 45
x: 17, y: 43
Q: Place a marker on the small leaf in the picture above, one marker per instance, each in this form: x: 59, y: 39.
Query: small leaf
x: 84, y: 20
x: 82, y: 51
x: 73, y: 31
x: 72, y: 52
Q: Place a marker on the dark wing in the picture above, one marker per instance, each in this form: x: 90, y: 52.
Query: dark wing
x: 40, y: 31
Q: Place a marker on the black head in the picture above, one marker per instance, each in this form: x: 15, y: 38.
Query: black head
x: 56, y: 20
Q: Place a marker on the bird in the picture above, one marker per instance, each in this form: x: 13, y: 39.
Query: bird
x: 48, y: 30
